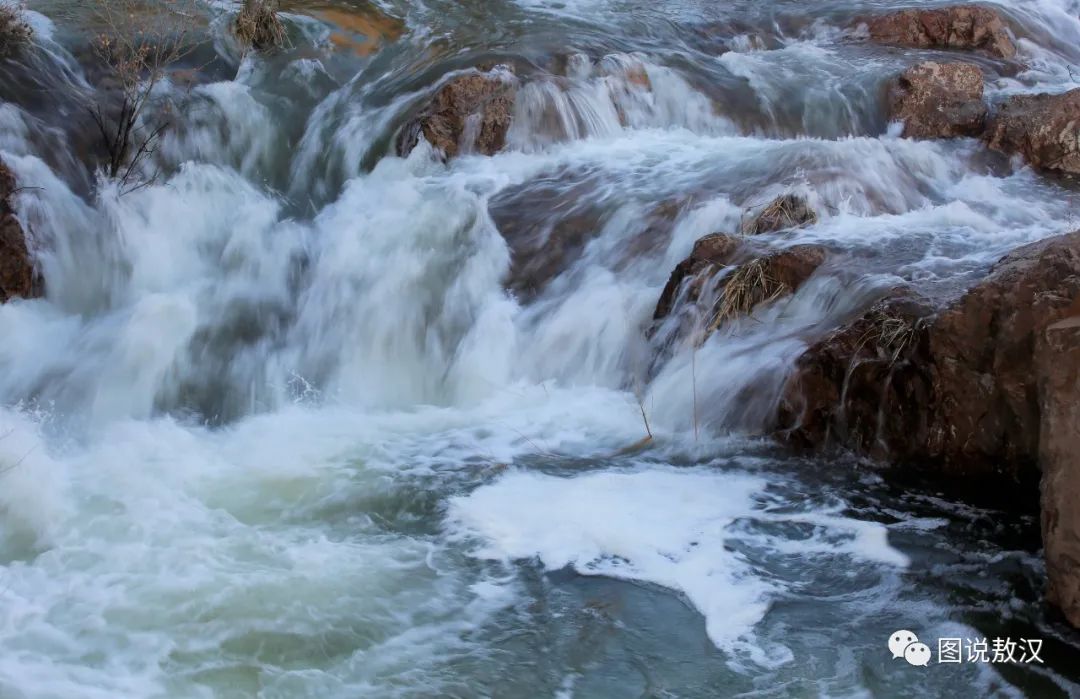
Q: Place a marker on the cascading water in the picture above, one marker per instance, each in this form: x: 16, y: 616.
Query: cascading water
x: 278, y: 429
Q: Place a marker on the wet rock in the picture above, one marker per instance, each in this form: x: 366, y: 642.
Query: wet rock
x: 983, y: 352
x: 865, y: 386
x: 1058, y: 359
x: 939, y: 100
x: 968, y: 370
x: 785, y: 212
x: 17, y: 277
x: 469, y: 114
x: 708, y: 288
x: 960, y: 27
x: 1045, y: 129
x: 710, y: 254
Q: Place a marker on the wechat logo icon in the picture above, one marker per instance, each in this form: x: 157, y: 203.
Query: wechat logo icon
x: 905, y: 644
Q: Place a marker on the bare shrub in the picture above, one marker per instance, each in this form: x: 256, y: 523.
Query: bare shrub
x: 258, y: 25
x: 139, y: 41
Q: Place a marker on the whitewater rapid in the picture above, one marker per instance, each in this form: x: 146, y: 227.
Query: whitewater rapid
x: 278, y: 429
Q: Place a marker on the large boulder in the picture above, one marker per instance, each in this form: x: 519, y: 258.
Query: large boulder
x: 960, y: 27
x: 986, y: 389
x: 1045, y: 129
x: 469, y: 114
x: 17, y: 277
x: 939, y: 100
x: 973, y: 363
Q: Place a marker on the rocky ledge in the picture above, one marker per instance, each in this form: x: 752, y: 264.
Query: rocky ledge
x: 986, y: 387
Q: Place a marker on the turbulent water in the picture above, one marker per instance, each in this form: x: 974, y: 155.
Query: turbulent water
x: 278, y: 430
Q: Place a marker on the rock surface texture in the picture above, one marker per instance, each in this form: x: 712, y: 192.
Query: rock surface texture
x: 17, y: 278
x: 987, y: 387
x: 1045, y: 129
x: 469, y: 114
x: 960, y: 27
x: 939, y: 100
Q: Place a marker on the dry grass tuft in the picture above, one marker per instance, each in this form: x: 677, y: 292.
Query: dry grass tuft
x: 787, y: 211
x: 891, y: 334
x: 748, y: 287
x: 15, y: 31
x: 259, y: 26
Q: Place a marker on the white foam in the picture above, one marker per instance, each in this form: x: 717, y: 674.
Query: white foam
x: 672, y: 528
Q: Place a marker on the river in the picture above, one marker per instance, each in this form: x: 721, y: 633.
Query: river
x: 278, y: 430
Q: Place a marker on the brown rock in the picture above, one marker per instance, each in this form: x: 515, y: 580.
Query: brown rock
x: 470, y: 113
x: 17, y: 277
x: 690, y: 290
x: 710, y: 254
x: 865, y: 386
x: 960, y: 27
x: 1058, y: 359
x: 785, y: 212
x: 939, y: 100
x: 1045, y: 129
x: 987, y: 387
x: 980, y: 407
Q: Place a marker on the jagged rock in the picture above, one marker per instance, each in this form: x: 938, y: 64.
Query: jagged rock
x: 785, y: 212
x: 469, y: 114
x: 1045, y: 129
x: 939, y: 100
x: 960, y: 27
x: 17, y: 277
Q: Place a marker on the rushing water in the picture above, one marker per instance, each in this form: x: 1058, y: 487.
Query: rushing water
x: 278, y: 430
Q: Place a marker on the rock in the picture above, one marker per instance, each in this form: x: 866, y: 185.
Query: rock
x: 1045, y: 129
x: 972, y: 379
x: 785, y: 212
x: 470, y: 113
x: 986, y: 390
x: 710, y: 254
x: 865, y: 386
x: 703, y: 306
x: 960, y: 27
x: 939, y: 100
x: 17, y: 277
x: 1058, y: 359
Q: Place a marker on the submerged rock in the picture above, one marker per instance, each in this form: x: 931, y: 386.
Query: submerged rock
x: 1045, y: 129
x: 17, y: 277
x: 469, y: 114
x: 939, y: 100
x: 785, y: 212
x: 959, y: 27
